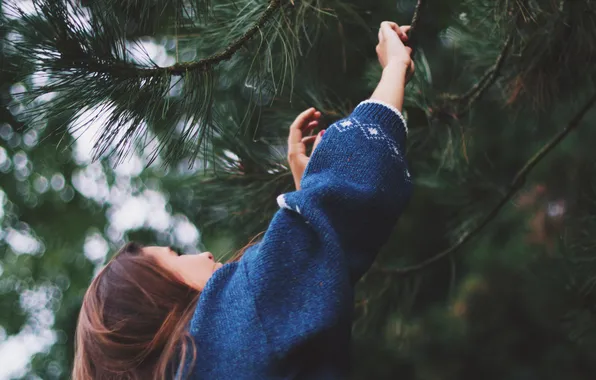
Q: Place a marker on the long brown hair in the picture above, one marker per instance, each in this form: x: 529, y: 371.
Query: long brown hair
x: 133, y: 323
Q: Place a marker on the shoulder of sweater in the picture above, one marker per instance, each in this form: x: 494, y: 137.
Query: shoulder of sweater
x: 367, y: 108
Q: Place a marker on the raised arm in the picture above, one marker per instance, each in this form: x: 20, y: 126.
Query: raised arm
x: 326, y: 235
x: 395, y: 58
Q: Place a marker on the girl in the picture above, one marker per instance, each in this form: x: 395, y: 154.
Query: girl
x: 284, y: 309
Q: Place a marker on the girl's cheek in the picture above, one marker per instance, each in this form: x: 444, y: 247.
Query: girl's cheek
x: 190, y: 261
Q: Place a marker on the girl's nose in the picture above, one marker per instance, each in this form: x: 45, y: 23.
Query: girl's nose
x: 208, y: 255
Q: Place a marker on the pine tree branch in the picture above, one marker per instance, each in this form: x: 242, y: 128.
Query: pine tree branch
x: 179, y: 69
x: 517, y: 184
x: 488, y: 79
x: 491, y: 78
x: 202, y: 65
x: 414, y: 25
x: 416, y: 16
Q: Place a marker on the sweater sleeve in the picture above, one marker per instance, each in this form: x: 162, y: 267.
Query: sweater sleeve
x: 326, y: 236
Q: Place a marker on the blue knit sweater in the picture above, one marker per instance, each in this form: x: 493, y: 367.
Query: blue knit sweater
x: 284, y: 311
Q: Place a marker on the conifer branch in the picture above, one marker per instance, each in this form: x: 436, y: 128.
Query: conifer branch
x: 516, y: 185
x: 416, y: 16
x: 488, y: 79
x: 205, y: 63
x: 179, y: 69
x: 490, y: 75
x: 93, y: 73
x: 414, y: 25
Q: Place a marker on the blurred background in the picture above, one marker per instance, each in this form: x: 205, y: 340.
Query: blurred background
x: 113, y: 129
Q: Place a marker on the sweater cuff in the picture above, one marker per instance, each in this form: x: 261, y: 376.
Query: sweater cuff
x: 381, y: 111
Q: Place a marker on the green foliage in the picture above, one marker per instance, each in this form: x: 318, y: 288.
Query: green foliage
x: 156, y: 81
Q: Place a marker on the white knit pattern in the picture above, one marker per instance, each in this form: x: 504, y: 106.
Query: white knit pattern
x: 370, y: 131
x: 281, y: 202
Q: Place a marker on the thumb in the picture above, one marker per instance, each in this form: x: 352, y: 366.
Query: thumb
x: 318, y: 140
x: 389, y: 34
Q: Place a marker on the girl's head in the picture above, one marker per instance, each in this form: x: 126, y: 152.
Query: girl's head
x: 134, y: 317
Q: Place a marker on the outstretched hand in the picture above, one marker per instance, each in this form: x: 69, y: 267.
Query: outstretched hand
x: 392, y: 49
x: 300, y: 135
x: 396, y: 59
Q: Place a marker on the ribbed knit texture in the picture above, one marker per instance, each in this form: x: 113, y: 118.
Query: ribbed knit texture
x: 284, y: 310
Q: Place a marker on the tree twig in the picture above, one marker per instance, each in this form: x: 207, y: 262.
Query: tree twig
x: 414, y: 25
x: 416, y: 16
x: 469, y: 97
x: 490, y: 78
x: 516, y: 185
x: 204, y: 64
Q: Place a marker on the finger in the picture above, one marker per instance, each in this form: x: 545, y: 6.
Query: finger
x: 305, y: 123
x: 404, y: 33
x: 400, y: 28
x: 387, y: 24
x: 381, y: 39
x: 393, y: 25
x: 401, y: 31
x: 397, y: 29
x: 303, y: 117
x: 312, y: 125
x: 385, y: 30
x: 318, y: 140
x: 389, y: 32
x: 309, y: 139
x: 409, y: 50
x: 296, y: 127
